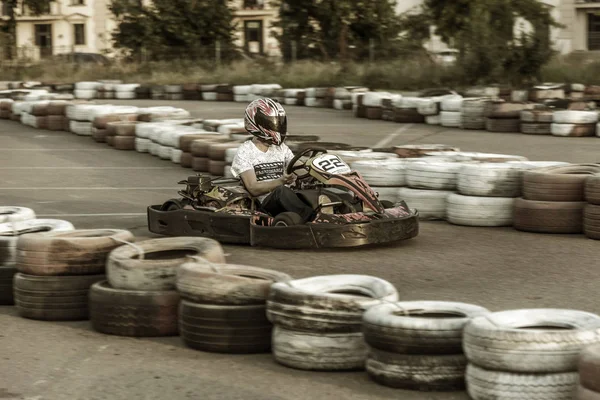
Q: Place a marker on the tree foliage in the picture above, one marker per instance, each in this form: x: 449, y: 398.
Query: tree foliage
x: 495, y: 38
x: 9, y: 29
x: 328, y: 29
x: 167, y: 28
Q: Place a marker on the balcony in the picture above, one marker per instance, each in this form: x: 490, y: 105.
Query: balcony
x: 587, y: 3
x: 253, y: 8
x: 23, y: 13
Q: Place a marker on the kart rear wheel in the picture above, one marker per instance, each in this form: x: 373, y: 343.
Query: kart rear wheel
x: 288, y: 218
x: 387, y: 204
x: 173, y: 205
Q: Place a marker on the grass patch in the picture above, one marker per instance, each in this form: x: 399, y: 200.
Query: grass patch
x: 408, y: 74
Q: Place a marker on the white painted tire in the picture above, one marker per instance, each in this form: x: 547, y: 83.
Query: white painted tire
x: 126, y: 87
x: 496, y: 341
x: 230, y: 154
x: 126, y: 270
x: 319, y: 351
x: 575, y: 117
x: 209, y: 96
x: 485, y: 384
x: 144, y: 129
x: 153, y: 148
x: 241, y: 90
x: 523, y: 165
x: 566, y: 130
x: 81, y: 128
x: 451, y: 103
x: 490, y: 180
x: 84, y: 94
x: 431, y: 204
x: 479, y: 211
x: 450, y: 119
x: 176, y: 156
x: 428, y: 107
x: 125, y: 95
x: 314, y: 102
x: 464, y: 156
x: 390, y: 172
x: 240, y: 98
x: 319, y: 304
x: 14, y: 214
x: 11, y: 231
x: 434, y: 175
x: 87, y: 85
x: 142, y: 145
x: 433, y: 120
x: 399, y: 101
x: 164, y: 152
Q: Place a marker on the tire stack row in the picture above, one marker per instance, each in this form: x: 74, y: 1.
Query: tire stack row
x: 120, y: 134
x: 450, y: 115
x: 418, y: 345
x: 294, y: 97
x: 86, y: 90
x: 10, y: 221
x: 385, y: 176
x: 591, y: 214
x: 473, y: 113
x: 318, y: 321
x: 57, y: 269
x: 574, y: 123
x: 107, y: 89
x: 553, y: 199
x: 406, y: 109
x: 138, y: 298
x: 125, y: 91
x: 342, y: 98
x: 430, y: 109
x: 45, y: 114
x: 223, y: 307
x: 504, y: 116
x: 315, y: 97
x: 527, y: 354
x: 103, y: 132
x: 185, y: 145
x: 537, y: 121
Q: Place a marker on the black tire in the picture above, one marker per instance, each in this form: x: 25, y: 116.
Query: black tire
x: 288, y: 218
x: 225, y: 328
x: 173, y: 205
x: 53, y: 298
x: 137, y: 313
x: 6, y: 285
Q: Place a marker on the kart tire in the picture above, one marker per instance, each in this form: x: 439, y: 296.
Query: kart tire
x: 549, y: 216
x: 162, y: 257
x: 591, y: 221
x: 501, y: 341
x: 575, y: 117
x: 559, y: 183
x: 504, y: 110
x: 201, y: 147
x: 479, y: 211
x: 418, y: 327
x: 389, y: 172
x: 483, y: 384
x: 186, y: 141
x: 6, y: 285
x: 584, y: 393
x: 14, y: 214
x: 53, y: 298
x: 174, y: 205
x: 589, y: 368
x: 573, y: 130
x: 78, y: 252
x: 426, y: 373
x: 450, y: 119
x: 419, y: 150
x: 535, y: 128
x: 216, y: 151
x: 207, y: 283
x: 288, y: 218
x: 235, y: 329
x: 431, y: 204
x: 434, y: 175
x: 136, y: 313
x: 318, y: 351
x: 537, y: 117
x: 592, y: 189
x: 503, y: 125
x: 186, y: 160
x: 309, y: 304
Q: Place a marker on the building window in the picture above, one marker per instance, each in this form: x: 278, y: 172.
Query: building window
x: 79, y: 34
x: 78, y: 2
x: 593, y: 31
x: 5, y: 9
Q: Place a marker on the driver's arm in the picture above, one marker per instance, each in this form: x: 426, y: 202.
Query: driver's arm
x: 259, y: 188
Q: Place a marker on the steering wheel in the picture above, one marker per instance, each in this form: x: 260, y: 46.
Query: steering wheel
x: 292, y: 168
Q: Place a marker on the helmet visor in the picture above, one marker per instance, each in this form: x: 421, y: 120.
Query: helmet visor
x: 275, y: 123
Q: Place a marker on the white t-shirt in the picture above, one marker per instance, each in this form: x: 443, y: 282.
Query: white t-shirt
x: 267, y: 166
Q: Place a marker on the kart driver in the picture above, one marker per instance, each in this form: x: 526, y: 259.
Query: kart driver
x: 261, y: 161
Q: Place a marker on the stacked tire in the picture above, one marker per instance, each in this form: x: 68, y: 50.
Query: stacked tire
x: 537, y: 121
x: 185, y: 145
x: 553, y: 199
x: 86, y: 90
x: 574, y: 123
x: 294, y: 97
x: 588, y: 367
x: 430, y: 109
x: 57, y: 269
x: 418, y: 345
x: 591, y: 213
x: 191, y: 91
x: 384, y: 176
x: 451, y: 115
x: 122, y: 134
x: 406, y: 109
x: 315, y: 97
x: 126, y: 90
x: 527, y: 354
x: 342, y: 98
x: 57, y: 115
x: 6, y: 108
x: 504, y: 116
x: 173, y: 92
x: 318, y: 321
x: 8, y: 217
x: 472, y: 113
x: 139, y: 297
x: 373, y: 103
x: 223, y: 307
x: 225, y: 92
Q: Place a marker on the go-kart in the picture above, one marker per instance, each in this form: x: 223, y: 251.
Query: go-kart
x: 349, y: 213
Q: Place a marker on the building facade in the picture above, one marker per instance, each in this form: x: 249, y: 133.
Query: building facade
x: 254, y: 19
x: 70, y: 26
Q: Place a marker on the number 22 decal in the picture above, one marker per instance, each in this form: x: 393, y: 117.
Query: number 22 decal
x: 328, y: 165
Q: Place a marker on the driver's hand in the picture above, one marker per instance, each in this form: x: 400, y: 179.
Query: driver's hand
x: 287, y: 179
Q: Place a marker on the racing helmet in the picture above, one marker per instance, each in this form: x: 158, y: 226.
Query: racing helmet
x: 266, y: 119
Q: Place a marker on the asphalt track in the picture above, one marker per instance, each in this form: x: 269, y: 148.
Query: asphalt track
x: 61, y: 175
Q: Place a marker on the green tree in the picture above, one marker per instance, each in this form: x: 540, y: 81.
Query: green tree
x: 186, y: 29
x: 9, y: 29
x: 487, y: 33
x: 330, y: 28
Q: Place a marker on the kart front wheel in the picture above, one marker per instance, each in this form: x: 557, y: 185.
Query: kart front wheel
x: 173, y: 205
x: 387, y: 204
x: 288, y: 218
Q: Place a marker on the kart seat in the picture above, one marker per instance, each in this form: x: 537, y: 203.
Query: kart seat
x: 309, y: 197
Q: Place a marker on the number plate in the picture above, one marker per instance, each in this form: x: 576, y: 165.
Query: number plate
x: 331, y: 164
